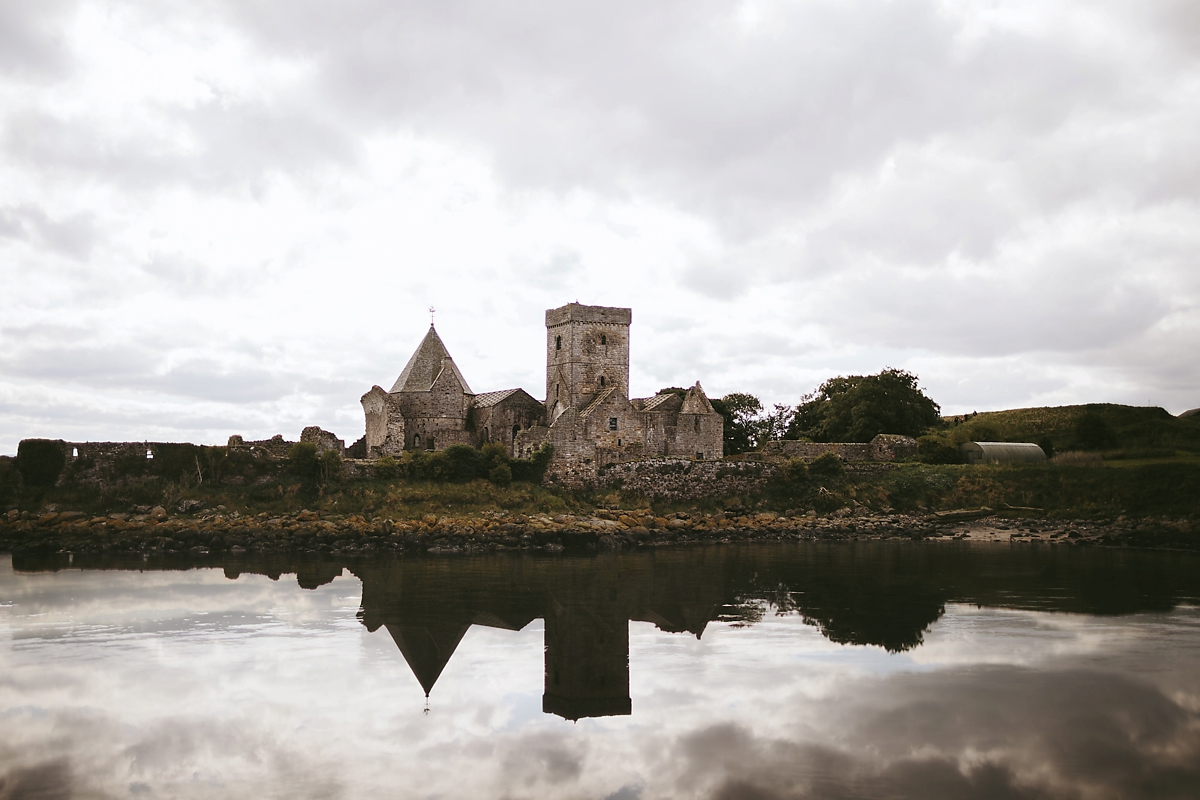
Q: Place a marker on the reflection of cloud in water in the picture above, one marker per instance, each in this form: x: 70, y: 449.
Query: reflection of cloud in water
x: 299, y: 700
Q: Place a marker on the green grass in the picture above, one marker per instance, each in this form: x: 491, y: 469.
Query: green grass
x: 1134, y: 427
x: 1149, y: 489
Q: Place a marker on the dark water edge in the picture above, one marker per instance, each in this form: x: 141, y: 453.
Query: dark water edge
x: 856, y: 592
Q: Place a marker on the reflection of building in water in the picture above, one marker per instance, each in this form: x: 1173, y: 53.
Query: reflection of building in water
x: 884, y: 594
x: 427, y: 606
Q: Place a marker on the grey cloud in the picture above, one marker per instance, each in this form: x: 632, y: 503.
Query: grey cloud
x: 990, y: 732
x: 73, y: 236
x: 233, y: 145
x: 674, y: 101
x: 31, y: 39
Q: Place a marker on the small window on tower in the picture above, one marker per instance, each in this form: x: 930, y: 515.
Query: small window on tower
x: 603, y: 339
x: 601, y: 381
x: 558, y: 343
x: 612, y: 423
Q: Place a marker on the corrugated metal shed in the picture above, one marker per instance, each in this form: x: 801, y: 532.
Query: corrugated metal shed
x: 1000, y: 452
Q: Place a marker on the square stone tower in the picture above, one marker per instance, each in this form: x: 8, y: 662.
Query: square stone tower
x: 587, y: 351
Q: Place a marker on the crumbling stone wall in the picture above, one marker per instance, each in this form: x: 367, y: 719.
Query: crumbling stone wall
x: 884, y: 447
x: 680, y: 479
x: 276, y: 446
x: 324, y: 440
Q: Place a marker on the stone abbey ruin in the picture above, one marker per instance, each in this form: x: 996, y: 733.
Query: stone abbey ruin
x: 587, y: 416
x: 669, y: 445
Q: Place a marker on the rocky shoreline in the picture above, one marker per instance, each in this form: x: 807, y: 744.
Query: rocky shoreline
x: 204, y: 531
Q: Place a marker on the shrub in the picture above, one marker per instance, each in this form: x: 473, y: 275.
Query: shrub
x: 935, y: 450
x: 533, y: 469
x: 387, y: 468
x: 41, y: 461
x: 501, y: 475
x: 794, y: 471
x: 422, y: 465
x: 494, y: 454
x: 464, y: 463
x: 303, y: 461
x: 827, y: 465
x: 330, y: 467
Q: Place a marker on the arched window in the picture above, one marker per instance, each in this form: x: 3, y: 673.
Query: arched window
x: 558, y: 343
x: 603, y: 338
x: 74, y: 452
x: 417, y: 441
x: 486, y: 438
x: 601, y: 381
x: 516, y: 430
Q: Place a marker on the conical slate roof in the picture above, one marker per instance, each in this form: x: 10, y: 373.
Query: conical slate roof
x: 695, y: 402
x: 426, y: 364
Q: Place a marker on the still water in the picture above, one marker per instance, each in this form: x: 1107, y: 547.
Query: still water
x: 759, y: 671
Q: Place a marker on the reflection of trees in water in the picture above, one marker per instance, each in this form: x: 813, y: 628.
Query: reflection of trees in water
x: 885, y: 594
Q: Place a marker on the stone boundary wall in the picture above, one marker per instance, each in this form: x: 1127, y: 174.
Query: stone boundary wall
x: 674, y: 479
x: 847, y: 451
x: 884, y: 447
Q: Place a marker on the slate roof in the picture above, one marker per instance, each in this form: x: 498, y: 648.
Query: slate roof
x: 426, y: 364
x: 600, y: 398
x: 651, y: 403
x: 489, y: 399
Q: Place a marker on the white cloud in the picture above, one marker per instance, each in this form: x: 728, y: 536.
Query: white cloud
x: 781, y: 192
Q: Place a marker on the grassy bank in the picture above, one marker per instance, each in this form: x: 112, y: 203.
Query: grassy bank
x: 1103, y: 490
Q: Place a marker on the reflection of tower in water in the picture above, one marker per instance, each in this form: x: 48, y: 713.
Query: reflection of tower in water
x: 427, y: 607
x: 587, y: 656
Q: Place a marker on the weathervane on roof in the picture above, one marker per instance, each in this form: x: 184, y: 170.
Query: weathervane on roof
x: 432, y: 311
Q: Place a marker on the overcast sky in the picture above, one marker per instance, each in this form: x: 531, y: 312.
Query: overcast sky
x: 230, y: 217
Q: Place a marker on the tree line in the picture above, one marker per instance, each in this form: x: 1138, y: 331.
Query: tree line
x: 850, y: 408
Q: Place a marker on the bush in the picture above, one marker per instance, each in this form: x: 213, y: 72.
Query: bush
x: 501, y: 475
x: 464, y: 463
x: 330, y: 467
x: 827, y: 465
x: 303, y: 461
x: 935, y: 450
x: 533, y: 469
x: 41, y: 461
x: 422, y: 465
x: 387, y: 468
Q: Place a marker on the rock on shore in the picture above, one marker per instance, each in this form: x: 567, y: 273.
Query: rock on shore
x: 217, y: 531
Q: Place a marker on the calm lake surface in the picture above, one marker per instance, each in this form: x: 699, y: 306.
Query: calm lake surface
x: 758, y: 671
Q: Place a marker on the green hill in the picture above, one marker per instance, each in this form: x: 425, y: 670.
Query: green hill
x: 1132, y: 431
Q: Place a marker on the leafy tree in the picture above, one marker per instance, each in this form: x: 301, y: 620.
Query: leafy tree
x: 741, y: 412
x: 857, y: 407
x: 303, y: 461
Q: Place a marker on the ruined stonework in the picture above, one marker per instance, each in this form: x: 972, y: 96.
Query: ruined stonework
x: 680, y: 480
x: 324, y: 440
x: 884, y: 447
x: 587, y: 414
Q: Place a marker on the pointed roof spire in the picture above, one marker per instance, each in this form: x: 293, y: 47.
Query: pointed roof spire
x: 696, y: 402
x: 430, y: 358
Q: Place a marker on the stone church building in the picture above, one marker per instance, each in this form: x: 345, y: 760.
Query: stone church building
x: 587, y: 415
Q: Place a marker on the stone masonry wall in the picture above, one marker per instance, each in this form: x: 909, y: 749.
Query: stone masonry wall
x: 847, y: 451
x: 678, y: 479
